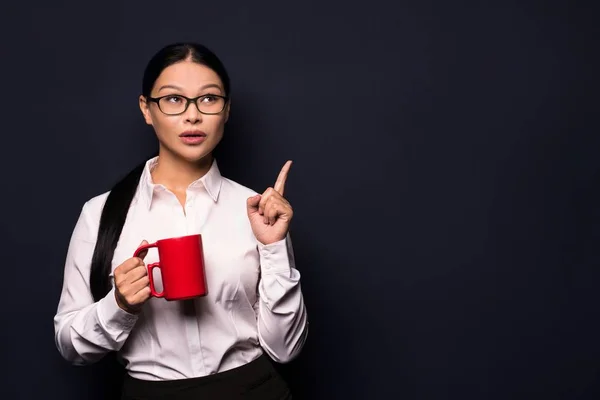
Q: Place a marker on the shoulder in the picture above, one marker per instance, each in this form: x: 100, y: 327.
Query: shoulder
x: 88, y: 222
x: 93, y: 206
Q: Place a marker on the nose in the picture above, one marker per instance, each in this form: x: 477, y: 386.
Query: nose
x: 192, y: 114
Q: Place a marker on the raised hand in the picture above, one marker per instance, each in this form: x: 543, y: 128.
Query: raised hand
x: 270, y: 214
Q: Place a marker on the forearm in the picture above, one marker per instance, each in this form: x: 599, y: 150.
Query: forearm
x: 282, y: 323
x: 85, y: 335
x: 282, y: 317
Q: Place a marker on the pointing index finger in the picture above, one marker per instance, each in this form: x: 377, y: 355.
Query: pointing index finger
x: 280, y: 184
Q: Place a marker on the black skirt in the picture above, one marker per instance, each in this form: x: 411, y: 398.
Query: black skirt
x: 255, y: 380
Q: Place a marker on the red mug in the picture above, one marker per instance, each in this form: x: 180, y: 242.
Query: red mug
x: 181, y: 265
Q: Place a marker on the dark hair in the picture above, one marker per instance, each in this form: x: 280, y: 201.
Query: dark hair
x: 116, y: 207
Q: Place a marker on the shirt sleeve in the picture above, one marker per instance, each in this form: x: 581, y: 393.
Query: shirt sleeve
x: 282, y: 318
x: 85, y: 330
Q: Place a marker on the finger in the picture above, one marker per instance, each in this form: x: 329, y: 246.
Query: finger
x: 278, y: 209
x: 272, y: 213
x: 129, y: 290
x: 253, y: 201
x: 265, y: 199
x: 144, y: 252
x: 252, y: 204
x: 140, y: 284
x: 280, y: 183
x: 274, y: 208
x: 127, y: 266
x: 264, y: 215
x: 141, y: 296
x: 266, y: 203
x: 137, y: 273
x: 138, y: 298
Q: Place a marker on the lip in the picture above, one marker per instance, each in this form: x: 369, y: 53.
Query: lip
x: 192, y: 137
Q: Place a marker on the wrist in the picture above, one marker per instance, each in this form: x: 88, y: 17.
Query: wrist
x: 123, y: 305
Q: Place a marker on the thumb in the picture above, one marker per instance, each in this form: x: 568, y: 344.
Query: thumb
x: 143, y: 252
x: 252, y: 203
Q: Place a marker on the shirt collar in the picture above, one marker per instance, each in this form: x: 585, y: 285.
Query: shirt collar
x: 211, y: 181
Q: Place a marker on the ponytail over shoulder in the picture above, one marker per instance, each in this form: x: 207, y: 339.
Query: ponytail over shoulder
x: 119, y: 199
x: 112, y: 219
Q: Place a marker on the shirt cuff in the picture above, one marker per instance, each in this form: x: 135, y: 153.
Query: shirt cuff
x: 112, y: 317
x: 274, y: 257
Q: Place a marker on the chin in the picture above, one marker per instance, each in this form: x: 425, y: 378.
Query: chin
x: 191, y: 153
x: 195, y: 154
x: 195, y: 157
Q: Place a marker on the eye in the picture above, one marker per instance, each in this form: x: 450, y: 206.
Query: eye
x: 173, y: 99
x: 209, y: 98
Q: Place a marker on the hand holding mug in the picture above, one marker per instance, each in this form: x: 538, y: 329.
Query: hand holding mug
x: 132, y: 286
x: 181, y: 266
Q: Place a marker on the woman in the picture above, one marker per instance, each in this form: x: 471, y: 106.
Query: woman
x: 212, y: 346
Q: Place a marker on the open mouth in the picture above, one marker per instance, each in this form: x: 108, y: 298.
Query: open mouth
x: 192, y: 134
x: 193, y: 137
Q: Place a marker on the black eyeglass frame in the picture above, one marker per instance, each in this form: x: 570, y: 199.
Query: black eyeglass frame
x: 188, y: 101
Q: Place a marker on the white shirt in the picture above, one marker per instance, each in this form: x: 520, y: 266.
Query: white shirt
x: 254, y: 301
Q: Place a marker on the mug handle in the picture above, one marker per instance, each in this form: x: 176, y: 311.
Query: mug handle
x: 151, y: 279
x: 150, y: 268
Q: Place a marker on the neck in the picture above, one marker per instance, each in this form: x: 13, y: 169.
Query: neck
x: 177, y: 174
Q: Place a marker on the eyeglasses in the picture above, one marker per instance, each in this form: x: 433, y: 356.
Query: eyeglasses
x: 175, y: 104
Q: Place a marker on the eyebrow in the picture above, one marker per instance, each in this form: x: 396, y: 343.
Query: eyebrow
x: 210, y: 85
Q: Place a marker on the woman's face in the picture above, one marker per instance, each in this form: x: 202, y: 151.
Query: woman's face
x: 192, y: 135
